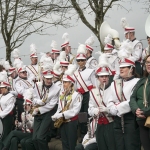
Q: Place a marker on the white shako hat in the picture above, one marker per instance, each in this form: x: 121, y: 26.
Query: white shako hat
x: 81, y: 52
x: 57, y: 70
x: 124, y: 55
x: 33, y: 52
x: 62, y: 58
x: 15, y: 53
x: 4, y: 80
x: 89, y: 42
x: 47, y: 67
x: 103, y: 66
x: 126, y: 27
x: 108, y: 43
x: 54, y: 47
x: 28, y: 96
x: 8, y: 68
x: 65, y: 37
x: 68, y: 75
x: 18, y: 64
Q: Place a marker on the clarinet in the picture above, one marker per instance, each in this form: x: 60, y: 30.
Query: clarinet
x: 24, y: 123
x: 16, y: 128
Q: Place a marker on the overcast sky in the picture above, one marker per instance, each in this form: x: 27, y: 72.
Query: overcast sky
x: 136, y: 17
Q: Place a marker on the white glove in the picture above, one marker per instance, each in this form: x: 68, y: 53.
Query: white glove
x: 14, y: 93
x: 96, y: 111
x: 59, y: 115
x: 34, y: 113
x: 103, y: 109
x: 54, y: 117
x: 38, y: 102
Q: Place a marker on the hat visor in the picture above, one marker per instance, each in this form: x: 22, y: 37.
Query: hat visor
x: 26, y: 103
x: 10, y: 72
x: 48, y: 76
x: 66, y: 79
x: 105, y: 49
x: 2, y: 86
x: 22, y: 70
x: 126, y: 65
x: 103, y: 74
x: 81, y: 58
x: 34, y: 56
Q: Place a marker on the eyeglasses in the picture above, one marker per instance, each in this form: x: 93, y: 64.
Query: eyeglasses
x: 24, y: 72
x: 147, y: 63
x: 78, y: 60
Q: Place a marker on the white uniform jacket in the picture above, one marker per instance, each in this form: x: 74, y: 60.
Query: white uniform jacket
x: 137, y: 50
x: 52, y: 97
x: 32, y: 71
x: 88, y: 76
x: 116, y: 107
x: 21, y: 85
x: 91, y: 63
x: 145, y: 52
x: 102, y: 99
x: 58, y: 83
x: 7, y: 103
x: 74, y: 107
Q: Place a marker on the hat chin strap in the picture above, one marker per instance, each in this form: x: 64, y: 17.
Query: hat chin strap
x: 129, y: 71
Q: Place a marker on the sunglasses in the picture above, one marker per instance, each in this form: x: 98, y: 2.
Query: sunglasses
x: 64, y: 66
x: 24, y: 72
x: 82, y: 60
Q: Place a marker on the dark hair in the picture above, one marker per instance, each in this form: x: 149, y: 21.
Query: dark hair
x: 134, y: 72
x: 63, y: 49
x: 145, y: 73
x: 148, y: 37
x: 90, y: 52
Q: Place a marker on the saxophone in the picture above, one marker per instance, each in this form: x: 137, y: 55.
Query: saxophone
x: 44, y: 101
x: 62, y: 120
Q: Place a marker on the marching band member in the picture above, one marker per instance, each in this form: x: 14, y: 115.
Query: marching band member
x: 45, y: 99
x: 137, y: 46
x: 7, y: 103
x: 55, y: 52
x: 67, y: 48
x: 125, y: 128
x: 91, y: 62
x: 139, y: 103
x: 89, y: 140
x: 34, y: 68
x: 98, y: 106
x: 23, y: 129
x: 112, y: 55
x: 68, y: 109
x: 85, y: 81
x: 146, y: 51
x: 21, y: 84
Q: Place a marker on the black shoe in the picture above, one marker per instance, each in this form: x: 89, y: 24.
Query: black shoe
x: 4, y: 148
